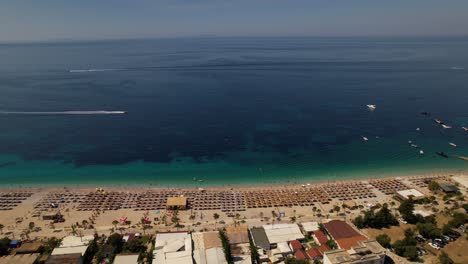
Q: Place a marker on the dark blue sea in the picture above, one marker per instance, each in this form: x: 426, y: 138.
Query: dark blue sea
x: 227, y: 111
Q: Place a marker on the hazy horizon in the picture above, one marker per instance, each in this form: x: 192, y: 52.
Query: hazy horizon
x: 54, y: 20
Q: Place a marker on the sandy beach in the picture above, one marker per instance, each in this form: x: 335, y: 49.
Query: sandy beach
x: 94, y: 209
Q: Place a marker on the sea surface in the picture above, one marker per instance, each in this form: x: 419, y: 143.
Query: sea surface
x: 230, y: 111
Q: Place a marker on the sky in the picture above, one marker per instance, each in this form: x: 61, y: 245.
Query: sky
x: 46, y: 20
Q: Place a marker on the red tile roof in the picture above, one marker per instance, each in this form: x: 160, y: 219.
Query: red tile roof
x: 349, y: 242
x: 313, y: 253
x: 295, y: 245
x: 300, y: 254
x: 340, y: 229
x: 323, y: 248
x: 321, y: 237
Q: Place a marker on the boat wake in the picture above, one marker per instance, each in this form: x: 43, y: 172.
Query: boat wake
x: 93, y: 70
x: 63, y: 113
x: 457, y: 68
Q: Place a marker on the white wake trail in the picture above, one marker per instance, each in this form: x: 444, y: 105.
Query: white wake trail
x: 101, y: 112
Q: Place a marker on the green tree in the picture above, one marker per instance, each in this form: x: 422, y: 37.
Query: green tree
x: 115, y: 240
x: 31, y: 225
x: 332, y: 244
x: 4, y: 246
x: 51, y: 243
x: 458, y: 219
x: 384, y: 240
x: 134, y: 245
x: 226, y: 247
x: 433, y: 186
x: 445, y: 259
x: 216, y: 217
x: 359, y: 222
x: 428, y: 230
x: 407, y: 246
x: 115, y: 223
x: 91, y: 251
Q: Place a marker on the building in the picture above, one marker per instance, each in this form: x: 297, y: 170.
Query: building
x: 314, y: 253
x: 173, y: 248
x: 409, y: 194
x: 345, y: 236
x: 295, y: 245
x: 176, y: 203
x: 73, y: 245
x: 448, y: 187
x: 319, y: 237
x: 260, y: 238
x: 29, y: 248
x: 310, y: 227
x: 75, y: 258
x: 301, y: 255
x: 208, y: 248
x: 20, y: 259
x: 237, y: 234
x: 126, y: 259
x: 278, y: 233
x: 368, y: 252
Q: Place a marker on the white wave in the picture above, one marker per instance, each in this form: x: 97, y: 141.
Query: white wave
x: 101, y: 112
x: 93, y: 70
x: 457, y: 68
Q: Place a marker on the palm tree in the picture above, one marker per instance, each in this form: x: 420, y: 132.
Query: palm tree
x: 273, y: 215
x: 216, y: 217
x: 73, y: 227
x: 1, y: 228
x: 114, y: 223
x: 31, y: 225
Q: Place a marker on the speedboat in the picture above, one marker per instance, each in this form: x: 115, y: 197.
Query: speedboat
x: 418, y: 129
x: 410, y: 142
x: 438, y: 121
x: 414, y: 145
x: 445, y: 126
x: 442, y: 154
x: 465, y: 128
x: 364, y: 138
x: 452, y: 144
x: 371, y: 107
x: 421, y: 152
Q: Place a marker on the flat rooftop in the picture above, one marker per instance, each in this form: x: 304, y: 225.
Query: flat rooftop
x: 283, y: 233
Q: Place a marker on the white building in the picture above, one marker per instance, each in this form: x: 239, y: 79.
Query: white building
x: 409, y: 193
x: 278, y: 233
x: 310, y: 227
x: 173, y: 248
x: 72, y: 245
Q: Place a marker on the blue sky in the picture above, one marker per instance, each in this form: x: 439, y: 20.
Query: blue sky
x: 32, y: 20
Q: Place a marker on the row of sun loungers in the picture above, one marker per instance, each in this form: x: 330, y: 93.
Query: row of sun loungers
x: 388, y: 186
x: 10, y: 200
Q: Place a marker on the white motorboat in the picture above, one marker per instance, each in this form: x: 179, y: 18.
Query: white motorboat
x: 371, y: 107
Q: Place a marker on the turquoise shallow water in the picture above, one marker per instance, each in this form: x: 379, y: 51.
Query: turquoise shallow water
x: 231, y: 111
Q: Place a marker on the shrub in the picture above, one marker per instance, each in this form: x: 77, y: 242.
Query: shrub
x: 384, y: 240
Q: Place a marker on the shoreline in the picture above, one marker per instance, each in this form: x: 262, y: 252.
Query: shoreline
x: 214, y: 187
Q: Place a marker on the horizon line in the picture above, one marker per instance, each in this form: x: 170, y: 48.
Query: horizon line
x: 207, y: 36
